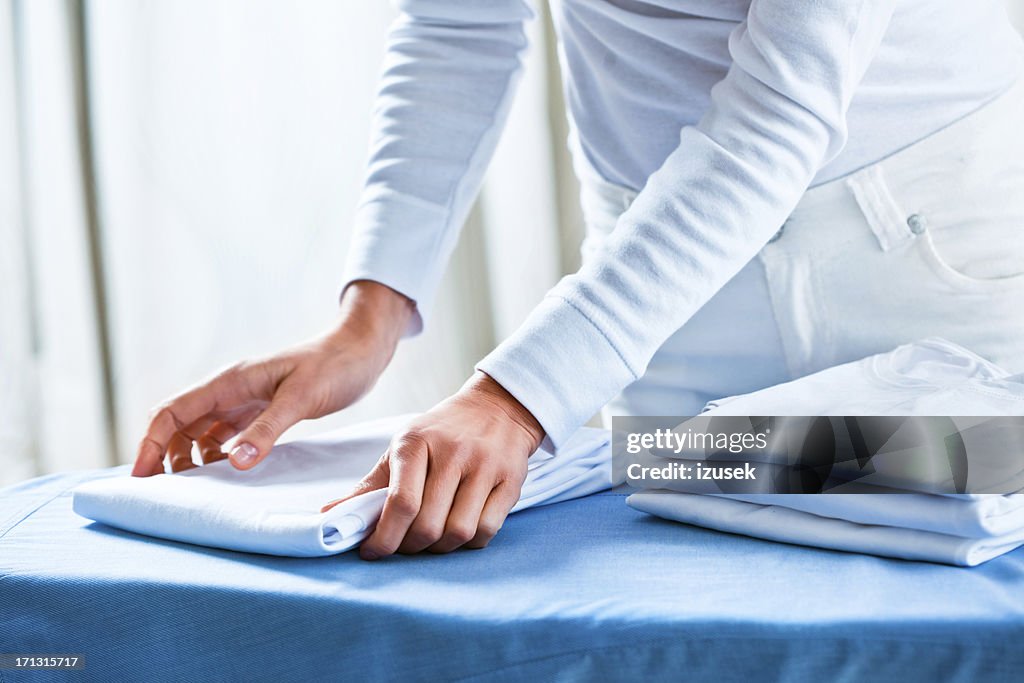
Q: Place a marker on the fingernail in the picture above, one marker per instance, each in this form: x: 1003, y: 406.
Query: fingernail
x: 369, y: 555
x: 244, y: 454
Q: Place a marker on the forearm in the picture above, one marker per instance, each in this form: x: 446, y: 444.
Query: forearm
x: 446, y: 89
x: 775, y: 119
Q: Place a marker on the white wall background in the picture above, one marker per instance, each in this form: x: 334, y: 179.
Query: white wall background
x: 229, y: 143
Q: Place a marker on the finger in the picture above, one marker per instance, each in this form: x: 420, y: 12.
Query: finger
x: 501, y: 501
x: 176, y: 415
x: 179, y: 449
x: 464, y: 517
x: 179, y: 452
x: 213, y: 439
x: 256, y: 440
x: 377, y: 479
x: 438, y: 494
x: 408, y: 464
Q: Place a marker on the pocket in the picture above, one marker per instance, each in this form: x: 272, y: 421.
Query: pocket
x: 970, y: 203
x: 964, y: 221
x: 976, y: 260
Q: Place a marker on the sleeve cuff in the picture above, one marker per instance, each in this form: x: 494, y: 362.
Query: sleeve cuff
x: 396, y: 242
x: 560, y: 366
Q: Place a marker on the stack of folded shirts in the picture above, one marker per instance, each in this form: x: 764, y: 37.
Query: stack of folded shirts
x: 889, y: 513
x: 274, y: 508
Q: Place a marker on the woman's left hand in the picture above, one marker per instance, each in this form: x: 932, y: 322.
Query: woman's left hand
x: 453, y: 474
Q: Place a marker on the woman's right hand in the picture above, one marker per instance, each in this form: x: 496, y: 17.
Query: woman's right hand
x: 256, y: 401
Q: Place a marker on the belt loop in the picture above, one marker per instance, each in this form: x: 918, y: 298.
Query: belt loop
x: 884, y: 215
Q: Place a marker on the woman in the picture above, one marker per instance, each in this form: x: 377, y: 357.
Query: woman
x: 770, y: 187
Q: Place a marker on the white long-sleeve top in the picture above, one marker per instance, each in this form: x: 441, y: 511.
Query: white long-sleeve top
x: 720, y: 112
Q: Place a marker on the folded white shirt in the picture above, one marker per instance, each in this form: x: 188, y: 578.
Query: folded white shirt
x: 994, y: 451
x: 931, y: 377
x: 781, y: 523
x: 274, y: 508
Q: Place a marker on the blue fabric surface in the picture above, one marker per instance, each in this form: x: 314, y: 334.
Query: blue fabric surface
x: 583, y: 590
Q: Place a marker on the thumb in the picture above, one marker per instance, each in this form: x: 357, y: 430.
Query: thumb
x: 256, y: 440
x: 378, y: 478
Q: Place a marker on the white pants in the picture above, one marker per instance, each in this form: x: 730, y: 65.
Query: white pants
x: 927, y: 242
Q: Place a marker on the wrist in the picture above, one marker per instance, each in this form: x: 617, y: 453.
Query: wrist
x: 483, y: 386
x: 374, y: 314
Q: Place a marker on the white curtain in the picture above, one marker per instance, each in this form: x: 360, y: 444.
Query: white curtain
x: 52, y: 381
x: 17, y: 434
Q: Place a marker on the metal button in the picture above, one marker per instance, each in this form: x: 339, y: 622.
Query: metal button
x: 777, y: 235
x: 917, y: 223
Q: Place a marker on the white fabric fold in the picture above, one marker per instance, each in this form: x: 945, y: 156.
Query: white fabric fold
x: 274, y: 508
x: 779, y: 523
x: 983, y: 516
x: 930, y: 377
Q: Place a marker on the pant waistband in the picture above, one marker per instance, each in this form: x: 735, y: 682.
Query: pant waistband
x: 985, y: 130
